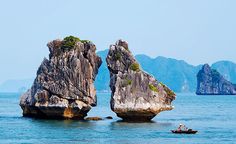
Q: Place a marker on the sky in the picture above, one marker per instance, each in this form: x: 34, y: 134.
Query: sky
x: 197, y: 31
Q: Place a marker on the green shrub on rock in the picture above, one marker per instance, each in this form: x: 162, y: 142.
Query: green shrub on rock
x: 117, y: 56
x: 170, y: 92
x: 126, y: 82
x: 161, y: 84
x: 153, y: 88
x: 85, y: 41
x: 135, y: 67
x: 129, y: 82
x: 69, y: 43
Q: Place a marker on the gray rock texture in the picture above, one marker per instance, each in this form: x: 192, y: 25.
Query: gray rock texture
x: 136, y: 95
x: 64, y: 85
x: 211, y: 82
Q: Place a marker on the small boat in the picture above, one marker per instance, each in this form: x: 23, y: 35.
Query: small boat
x: 189, y: 131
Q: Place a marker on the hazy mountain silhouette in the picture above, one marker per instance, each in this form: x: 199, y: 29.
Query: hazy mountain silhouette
x: 177, y: 74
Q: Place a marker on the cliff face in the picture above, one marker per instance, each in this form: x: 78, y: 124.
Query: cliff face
x: 136, y: 95
x: 64, y: 85
x: 211, y: 82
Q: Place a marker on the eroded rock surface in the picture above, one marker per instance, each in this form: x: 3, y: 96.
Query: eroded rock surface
x: 211, y: 82
x: 64, y: 86
x: 136, y: 95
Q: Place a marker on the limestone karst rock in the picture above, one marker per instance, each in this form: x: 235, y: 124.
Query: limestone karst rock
x: 64, y: 86
x: 136, y: 95
x: 211, y: 82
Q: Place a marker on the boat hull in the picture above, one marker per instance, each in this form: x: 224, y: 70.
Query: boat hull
x: 184, y: 132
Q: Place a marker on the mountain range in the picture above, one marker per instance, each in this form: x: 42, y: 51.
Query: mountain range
x: 177, y: 74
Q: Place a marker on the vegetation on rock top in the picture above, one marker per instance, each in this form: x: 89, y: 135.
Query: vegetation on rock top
x: 69, y: 42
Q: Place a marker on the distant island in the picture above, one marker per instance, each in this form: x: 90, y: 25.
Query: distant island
x: 211, y: 82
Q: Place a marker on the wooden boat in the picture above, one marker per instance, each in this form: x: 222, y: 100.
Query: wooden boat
x: 189, y: 131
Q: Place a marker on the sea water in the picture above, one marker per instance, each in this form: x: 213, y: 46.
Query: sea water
x: 213, y: 116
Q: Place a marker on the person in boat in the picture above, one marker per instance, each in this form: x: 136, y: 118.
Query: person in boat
x: 182, y: 127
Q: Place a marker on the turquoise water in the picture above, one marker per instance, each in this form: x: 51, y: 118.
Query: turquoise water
x: 213, y: 116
